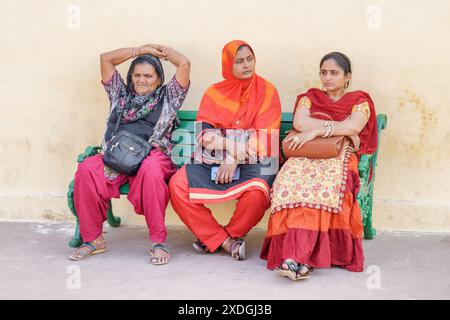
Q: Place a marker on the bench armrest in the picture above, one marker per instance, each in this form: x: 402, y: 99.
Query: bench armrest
x: 88, y: 152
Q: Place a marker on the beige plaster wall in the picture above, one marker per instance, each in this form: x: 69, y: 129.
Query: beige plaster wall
x: 53, y: 105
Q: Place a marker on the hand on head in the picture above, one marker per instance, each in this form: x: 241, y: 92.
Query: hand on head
x: 157, y: 50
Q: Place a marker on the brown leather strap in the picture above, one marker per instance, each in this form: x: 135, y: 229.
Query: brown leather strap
x: 322, y: 114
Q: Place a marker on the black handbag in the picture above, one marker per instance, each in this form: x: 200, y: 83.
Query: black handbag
x: 125, y: 151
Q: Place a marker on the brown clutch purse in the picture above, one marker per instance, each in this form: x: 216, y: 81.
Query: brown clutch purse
x: 319, y: 148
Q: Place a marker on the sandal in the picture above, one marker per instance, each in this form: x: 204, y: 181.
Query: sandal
x: 93, y: 245
x: 293, y: 270
x: 200, y: 247
x: 237, y: 248
x: 158, y: 260
x: 304, y: 270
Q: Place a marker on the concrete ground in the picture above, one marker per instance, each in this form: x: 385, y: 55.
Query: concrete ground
x: 34, y: 265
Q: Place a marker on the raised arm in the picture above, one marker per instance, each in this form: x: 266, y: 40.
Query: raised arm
x: 182, y: 63
x: 109, y: 60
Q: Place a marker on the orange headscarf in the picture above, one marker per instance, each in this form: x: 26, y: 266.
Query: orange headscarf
x: 240, y: 104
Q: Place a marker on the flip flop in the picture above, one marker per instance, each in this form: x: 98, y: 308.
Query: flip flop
x: 238, y: 253
x: 155, y: 258
x: 292, y: 272
x: 90, y: 245
x: 200, y: 247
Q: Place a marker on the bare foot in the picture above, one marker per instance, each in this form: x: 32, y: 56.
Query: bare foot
x: 289, y: 268
x: 304, y: 270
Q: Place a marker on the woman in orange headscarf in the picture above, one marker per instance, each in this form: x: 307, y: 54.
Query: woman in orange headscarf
x: 238, y: 117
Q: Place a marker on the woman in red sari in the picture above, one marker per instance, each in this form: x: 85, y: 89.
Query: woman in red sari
x: 315, y: 218
x: 241, y: 104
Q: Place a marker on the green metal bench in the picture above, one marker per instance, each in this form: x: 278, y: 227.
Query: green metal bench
x: 184, y: 142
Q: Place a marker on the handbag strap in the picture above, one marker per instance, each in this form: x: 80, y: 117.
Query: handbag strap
x: 314, y: 113
x: 322, y: 114
x: 119, y: 117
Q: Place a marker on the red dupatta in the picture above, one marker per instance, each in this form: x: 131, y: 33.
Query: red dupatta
x: 341, y: 109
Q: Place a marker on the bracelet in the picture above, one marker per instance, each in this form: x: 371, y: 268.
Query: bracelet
x: 332, y: 129
x: 327, y: 129
x: 136, y: 51
x: 133, y: 52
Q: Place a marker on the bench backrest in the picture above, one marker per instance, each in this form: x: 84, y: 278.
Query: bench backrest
x: 184, y: 139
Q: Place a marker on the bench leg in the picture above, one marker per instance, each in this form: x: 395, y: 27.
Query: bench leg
x: 112, y: 220
x: 76, y: 240
x: 366, y: 202
x: 369, y: 230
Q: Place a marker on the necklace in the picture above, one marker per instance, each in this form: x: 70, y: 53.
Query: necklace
x: 335, y: 98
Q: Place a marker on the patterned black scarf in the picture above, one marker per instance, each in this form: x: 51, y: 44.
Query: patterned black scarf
x: 134, y: 106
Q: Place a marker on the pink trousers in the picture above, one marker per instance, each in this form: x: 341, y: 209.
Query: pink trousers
x: 149, y: 194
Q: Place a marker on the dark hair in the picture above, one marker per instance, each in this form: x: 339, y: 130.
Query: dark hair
x: 341, y: 59
x: 149, y: 59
